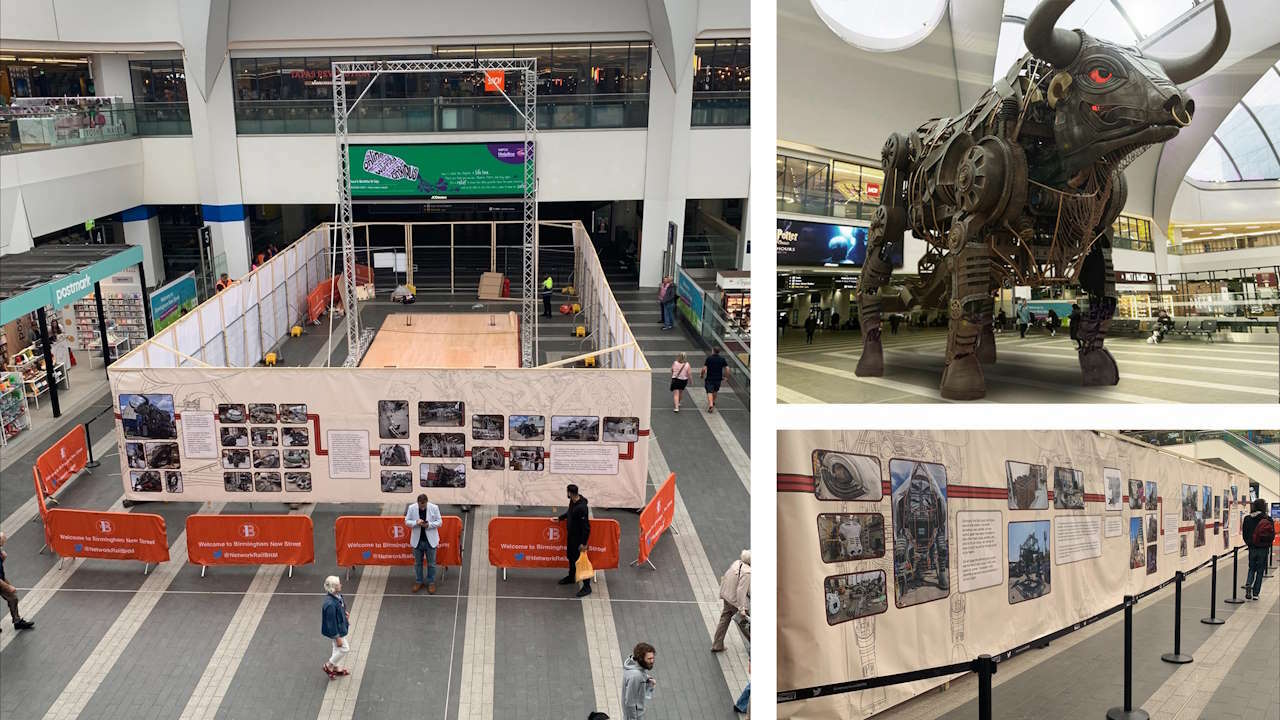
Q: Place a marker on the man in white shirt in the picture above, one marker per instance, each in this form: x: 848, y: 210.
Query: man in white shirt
x: 424, y: 518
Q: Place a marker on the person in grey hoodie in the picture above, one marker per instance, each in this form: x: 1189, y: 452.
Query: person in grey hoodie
x: 637, y: 682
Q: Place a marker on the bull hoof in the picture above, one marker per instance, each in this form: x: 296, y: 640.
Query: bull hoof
x: 871, y: 364
x: 1099, y: 368
x: 987, y: 346
x: 962, y: 379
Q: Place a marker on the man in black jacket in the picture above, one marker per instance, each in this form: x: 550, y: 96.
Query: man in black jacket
x: 1257, y: 553
x: 577, y: 532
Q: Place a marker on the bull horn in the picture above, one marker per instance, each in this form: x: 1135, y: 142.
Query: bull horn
x: 1183, y: 70
x: 1058, y: 47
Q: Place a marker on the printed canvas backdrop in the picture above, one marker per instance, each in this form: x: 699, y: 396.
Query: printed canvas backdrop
x: 950, y: 551
x: 179, y: 415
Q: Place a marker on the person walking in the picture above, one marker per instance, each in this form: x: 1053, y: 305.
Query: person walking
x: 667, y: 302
x: 1024, y: 318
x: 10, y: 593
x: 810, y: 327
x: 1259, y: 532
x: 637, y: 681
x: 577, y: 519
x: 714, y: 370
x: 546, y: 296
x: 782, y: 325
x: 895, y: 319
x: 735, y: 593
x: 835, y: 321
x: 424, y: 518
x: 1073, y: 324
x: 1053, y: 322
x: 1001, y: 319
x: 680, y: 373
x: 334, y: 624
x: 743, y: 704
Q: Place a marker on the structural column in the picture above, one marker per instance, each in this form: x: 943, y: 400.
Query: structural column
x: 667, y: 152
x: 142, y: 228
x: 111, y: 77
x: 213, y: 136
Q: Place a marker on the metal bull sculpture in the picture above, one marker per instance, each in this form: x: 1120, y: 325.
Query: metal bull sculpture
x: 1023, y: 188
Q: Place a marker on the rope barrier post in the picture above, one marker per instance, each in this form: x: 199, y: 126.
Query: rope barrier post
x: 1213, y: 618
x: 986, y: 667
x: 1176, y: 657
x: 1128, y: 712
x: 1235, y: 578
x: 88, y: 443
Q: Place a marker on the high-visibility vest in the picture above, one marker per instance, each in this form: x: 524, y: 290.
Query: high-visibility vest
x: 546, y: 284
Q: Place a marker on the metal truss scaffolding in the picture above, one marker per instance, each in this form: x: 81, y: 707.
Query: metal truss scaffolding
x: 527, y: 68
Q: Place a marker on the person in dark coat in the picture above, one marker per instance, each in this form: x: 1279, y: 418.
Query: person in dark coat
x: 835, y: 321
x: 1052, y: 322
x: 334, y: 625
x: 577, y: 521
x: 810, y: 327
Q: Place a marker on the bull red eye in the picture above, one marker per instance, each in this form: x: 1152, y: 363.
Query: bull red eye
x: 1100, y: 75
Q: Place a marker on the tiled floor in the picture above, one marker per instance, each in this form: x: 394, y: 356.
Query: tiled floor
x: 244, y: 641
x: 1036, y: 369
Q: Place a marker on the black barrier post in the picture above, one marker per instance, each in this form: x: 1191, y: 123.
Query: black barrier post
x: 1127, y: 712
x: 88, y: 443
x: 986, y: 667
x: 1235, y: 577
x: 1213, y: 618
x: 1176, y: 656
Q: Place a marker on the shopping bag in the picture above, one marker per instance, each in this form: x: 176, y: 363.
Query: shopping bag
x: 583, y: 570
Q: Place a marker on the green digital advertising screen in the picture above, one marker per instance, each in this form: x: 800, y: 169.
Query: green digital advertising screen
x: 437, y: 171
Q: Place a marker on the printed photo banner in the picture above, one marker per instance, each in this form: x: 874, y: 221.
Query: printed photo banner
x: 376, y: 435
x: 384, y: 540
x: 901, y: 550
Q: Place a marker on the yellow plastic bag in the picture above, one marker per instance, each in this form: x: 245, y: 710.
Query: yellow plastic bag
x: 583, y: 569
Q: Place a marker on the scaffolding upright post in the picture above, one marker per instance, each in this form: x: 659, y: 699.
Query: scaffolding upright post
x: 528, y: 308
x: 344, y: 217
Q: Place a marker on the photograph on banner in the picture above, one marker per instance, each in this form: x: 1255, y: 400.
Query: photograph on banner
x: 146, y: 415
x: 962, y: 527
x: 844, y: 476
x: 920, y: 551
x: 844, y: 537
x: 527, y: 427
x: 1030, y: 572
x: 1028, y: 485
x: 1113, y: 488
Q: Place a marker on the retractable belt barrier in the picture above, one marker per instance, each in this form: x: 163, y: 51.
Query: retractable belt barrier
x: 985, y: 665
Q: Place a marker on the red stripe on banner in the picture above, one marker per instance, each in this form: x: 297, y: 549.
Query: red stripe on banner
x: 885, y: 488
x: 177, y: 416
x: 119, y: 416
x: 315, y: 422
x: 1093, y: 497
x: 645, y: 433
x: 795, y: 483
x: 977, y: 492
x: 1050, y: 494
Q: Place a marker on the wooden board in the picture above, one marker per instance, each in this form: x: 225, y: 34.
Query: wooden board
x: 446, y: 340
x: 490, y: 286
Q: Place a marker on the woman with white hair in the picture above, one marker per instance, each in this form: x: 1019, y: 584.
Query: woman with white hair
x: 333, y: 625
x: 735, y: 592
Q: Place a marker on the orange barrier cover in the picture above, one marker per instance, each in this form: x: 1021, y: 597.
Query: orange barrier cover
x: 318, y: 299
x: 250, y: 540
x: 527, y: 542
x: 62, y: 460
x: 107, y: 535
x: 657, y: 516
x: 384, y: 540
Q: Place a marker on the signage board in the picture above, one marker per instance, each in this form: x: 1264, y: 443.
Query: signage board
x: 818, y: 244
x: 173, y: 300
x: 1123, y: 276
x: 437, y: 171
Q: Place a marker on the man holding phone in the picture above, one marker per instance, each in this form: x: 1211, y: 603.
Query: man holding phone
x: 424, y: 518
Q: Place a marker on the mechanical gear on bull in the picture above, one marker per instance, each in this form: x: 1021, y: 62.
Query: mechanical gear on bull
x: 1022, y: 190
x: 920, y: 516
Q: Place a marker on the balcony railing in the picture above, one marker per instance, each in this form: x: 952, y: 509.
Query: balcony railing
x: 25, y: 132
x: 722, y: 109
x: 440, y: 114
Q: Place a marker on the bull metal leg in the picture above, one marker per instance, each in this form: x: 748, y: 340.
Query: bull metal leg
x: 970, y: 272
x: 1097, y: 279
x: 884, y: 235
x: 987, y: 337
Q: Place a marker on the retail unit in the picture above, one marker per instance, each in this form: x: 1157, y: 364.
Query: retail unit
x: 14, y: 415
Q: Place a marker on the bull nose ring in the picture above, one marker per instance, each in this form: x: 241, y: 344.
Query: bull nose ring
x: 1183, y: 120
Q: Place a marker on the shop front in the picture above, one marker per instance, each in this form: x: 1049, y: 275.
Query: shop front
x: 67, y: 312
